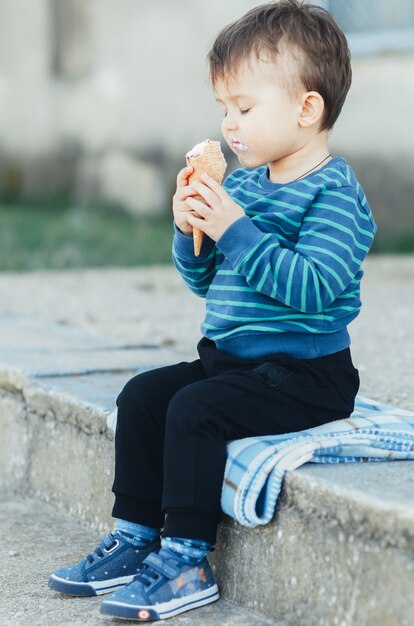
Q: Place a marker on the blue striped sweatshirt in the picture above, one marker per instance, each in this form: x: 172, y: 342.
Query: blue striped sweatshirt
x: 286, y: 276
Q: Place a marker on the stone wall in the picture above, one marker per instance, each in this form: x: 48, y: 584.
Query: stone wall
x: 101, y: 98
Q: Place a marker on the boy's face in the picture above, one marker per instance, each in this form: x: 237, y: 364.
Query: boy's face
x: 261, y: 118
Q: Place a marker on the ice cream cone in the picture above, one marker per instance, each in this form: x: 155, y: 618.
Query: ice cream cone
x: 205, y: 158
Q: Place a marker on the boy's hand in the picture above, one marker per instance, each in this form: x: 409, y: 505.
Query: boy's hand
x: 219, y: 210
x: 180, y: 207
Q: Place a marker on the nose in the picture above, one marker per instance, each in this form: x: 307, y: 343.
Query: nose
x: 229, y: 123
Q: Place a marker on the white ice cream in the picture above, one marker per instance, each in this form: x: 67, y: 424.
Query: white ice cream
x: 198, y: 149
x: 237, y: 144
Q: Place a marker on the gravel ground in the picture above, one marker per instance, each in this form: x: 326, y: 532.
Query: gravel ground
x: 37, y: 541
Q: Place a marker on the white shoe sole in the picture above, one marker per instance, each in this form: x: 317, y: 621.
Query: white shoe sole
x: 162, y: 610
x: 91, y: 588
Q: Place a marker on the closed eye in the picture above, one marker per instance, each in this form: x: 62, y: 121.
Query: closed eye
x: 242, y: 112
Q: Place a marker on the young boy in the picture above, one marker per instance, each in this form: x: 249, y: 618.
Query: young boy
x: 280, y: 269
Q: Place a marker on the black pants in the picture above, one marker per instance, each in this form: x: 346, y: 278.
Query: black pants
x: 174, y: 423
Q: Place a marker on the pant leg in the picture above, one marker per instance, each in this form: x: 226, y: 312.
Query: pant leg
x: 139, y: 440
x: 272, y: 397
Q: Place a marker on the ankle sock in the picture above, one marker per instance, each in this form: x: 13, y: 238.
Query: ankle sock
x: 188, y: 550
x: 137, y: 534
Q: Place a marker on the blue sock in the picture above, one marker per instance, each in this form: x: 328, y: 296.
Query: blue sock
x: 137, y: 534
x: 190, y: 550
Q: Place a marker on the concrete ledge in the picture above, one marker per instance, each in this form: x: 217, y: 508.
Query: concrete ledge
x: 58, y: 450
x: 341, y: 544
x: 340, y: 550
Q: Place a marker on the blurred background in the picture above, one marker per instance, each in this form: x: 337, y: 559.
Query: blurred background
x: 100, y: 100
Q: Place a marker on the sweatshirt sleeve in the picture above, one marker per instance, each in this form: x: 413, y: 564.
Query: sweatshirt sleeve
x: 197, y: 272
x: 336, y: 234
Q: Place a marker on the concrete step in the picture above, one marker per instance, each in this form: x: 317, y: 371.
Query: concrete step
x: 36, y: 540
x: 339, y: 552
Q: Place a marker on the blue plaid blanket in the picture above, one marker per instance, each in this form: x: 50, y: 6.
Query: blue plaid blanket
x: 256, y: 465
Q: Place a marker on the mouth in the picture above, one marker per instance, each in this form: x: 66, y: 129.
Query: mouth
x: 237, y: 144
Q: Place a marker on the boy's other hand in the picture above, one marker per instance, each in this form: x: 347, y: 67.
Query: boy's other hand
x: 181, y: 208
x: 219, y: 211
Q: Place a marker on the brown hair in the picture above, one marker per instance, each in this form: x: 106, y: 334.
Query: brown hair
x: 308, y: 32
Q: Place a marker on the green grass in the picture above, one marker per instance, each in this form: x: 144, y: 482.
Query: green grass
x: 394, y: 243
x: 64, y: 237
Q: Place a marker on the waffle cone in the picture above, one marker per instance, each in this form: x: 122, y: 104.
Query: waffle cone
x: 212, y: 162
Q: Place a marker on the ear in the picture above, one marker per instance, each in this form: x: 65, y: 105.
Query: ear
x: 311, y: 109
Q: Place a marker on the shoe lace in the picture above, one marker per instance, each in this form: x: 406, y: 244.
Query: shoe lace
x: 106, y: 544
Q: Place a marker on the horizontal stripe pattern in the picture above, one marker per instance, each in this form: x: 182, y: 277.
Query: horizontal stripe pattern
x: 292, y: 264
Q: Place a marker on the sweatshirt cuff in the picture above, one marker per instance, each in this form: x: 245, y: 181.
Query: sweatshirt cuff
x: 237, y: 241
x: 183, y: 246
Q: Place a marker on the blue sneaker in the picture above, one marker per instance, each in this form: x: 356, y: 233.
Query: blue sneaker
x: 165, y: 586
x: 112, y: 565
